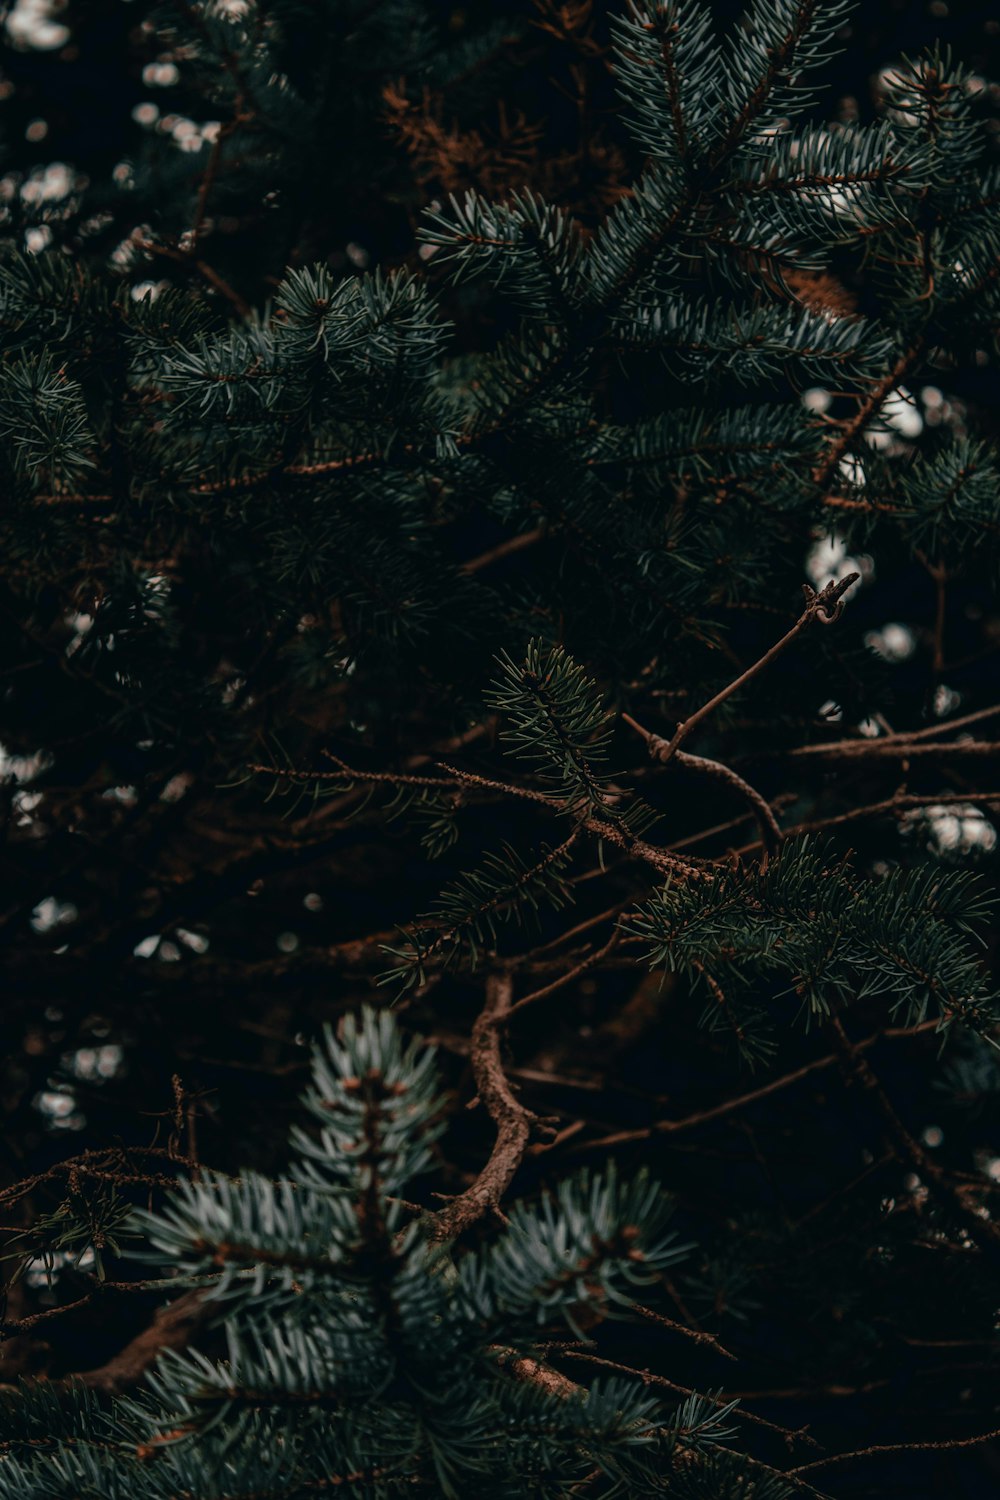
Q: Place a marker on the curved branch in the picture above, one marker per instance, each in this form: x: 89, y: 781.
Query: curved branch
x: 762, y: 810
x: 513, y: 1122
x: 173, y: 1327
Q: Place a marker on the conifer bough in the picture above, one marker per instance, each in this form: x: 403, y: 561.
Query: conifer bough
x: 431, y: 636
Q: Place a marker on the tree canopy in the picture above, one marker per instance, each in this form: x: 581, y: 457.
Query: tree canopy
x: 500, y: 518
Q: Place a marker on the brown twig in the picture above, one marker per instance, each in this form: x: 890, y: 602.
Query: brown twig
x: 720, y: 1400
x: 100, y: 1164
x: 207, y: 272
x: 910, y: 736
x: 761, y: 808
x: 868, y: 408
x: 939, y: 574
x: 899, y: 802
x: 983, y: 1231
x: 589, y: 962
x: 946, y: 725
x: 825, y: 606
x: 697, y: 1335
x: 729, y: 1106
x: 173, y: 1327
x: 496, y: 554
x: 10, y: 1327
x: 513, y: 1122
x: 606, y: 829
x: 889, y: 748
x: 917, y: 1447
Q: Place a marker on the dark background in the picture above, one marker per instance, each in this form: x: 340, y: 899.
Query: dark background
x: 243, y: 1078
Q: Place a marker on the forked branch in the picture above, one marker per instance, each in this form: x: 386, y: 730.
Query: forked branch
x: 824, y: 607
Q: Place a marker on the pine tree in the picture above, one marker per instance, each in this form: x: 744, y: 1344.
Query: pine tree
x: 517, y: 486
x: 326, y: 1293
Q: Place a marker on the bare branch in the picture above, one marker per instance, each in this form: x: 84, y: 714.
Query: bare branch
x: 514, y: 1123
x: 173, y: 1327
x: 826, y: 607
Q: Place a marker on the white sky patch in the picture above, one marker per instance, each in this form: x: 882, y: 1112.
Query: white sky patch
x: 42, y: 1270
x: 31, y: 26
x: 899, y: 422
x: 162, y: 948
x: 953, y: 828
x: 946, y: 700
x: 891, y: 78
x: 176, y: 787
x: 79, y: 624
x: 94, y: 1064
x: 901, y: 412
x: 51, y: 913
x: 829, y: 558
x: 893, y: 642
x: 126, y: 795
x: 187, y: 134
x: 940, y: 411
x: 852, y: 469
x: 37, y: 239
x: 196, y: 941
x: 58, y: 1106
x: 49, y: 184
x: 23, y: 767
x: 23, y: 805
x: 160, y: 75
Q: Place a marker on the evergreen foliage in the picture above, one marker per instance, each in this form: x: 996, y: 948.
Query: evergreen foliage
x: 831, y: 938
x: 415, y: 445
x: 326, y: 1289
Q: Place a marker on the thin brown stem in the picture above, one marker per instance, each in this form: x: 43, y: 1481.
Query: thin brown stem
x: 207, y: 272
x: 983, y: 1231
x: 589, y: 962
x: 720, y: 1400
x: 762, y: 810
x: 519, y: 543
x: 742, y: 1101
x: 899, y: 802
x: 513, y: 1122
x: 173, y: 1327
x: 609, y: 832
x: 825, y: 606
x: 907, y: 736
x: 697, y: 1335
x: 879, y: 1448
x: 867, y: 408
